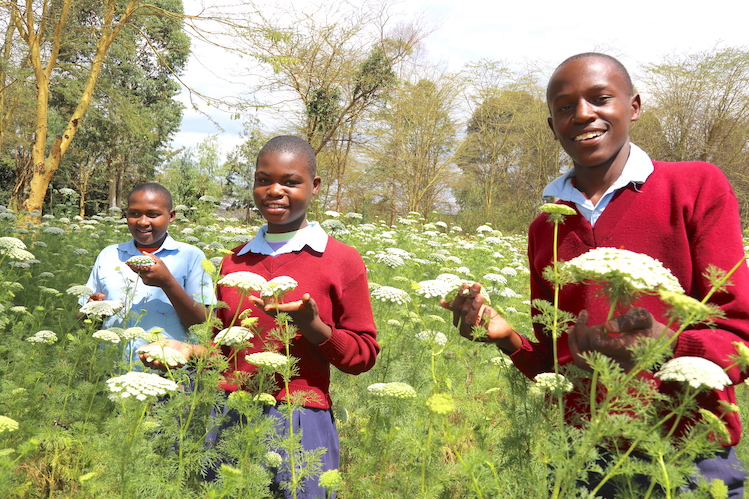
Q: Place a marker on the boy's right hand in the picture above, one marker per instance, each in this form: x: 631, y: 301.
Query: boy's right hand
x: 96, y: 297
x: 186, y: 349
x: 469, y: 311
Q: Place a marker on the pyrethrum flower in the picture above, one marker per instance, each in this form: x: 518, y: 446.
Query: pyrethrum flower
x: 550, y: 382
x: 103, y: 308
x: 164, y: 354
x: 441, y: 403
x: 395, y: 389
x: 139, y: 385
x: 390, y: 294
x: 106, y: 335
x: 331, y: 480
x: 278, y: 286
x: 271, y: 360
x: 698, y: 372
x: 233, y: 336
x: 7, y: 424
x: 246, y: 281
x: 45, y: 336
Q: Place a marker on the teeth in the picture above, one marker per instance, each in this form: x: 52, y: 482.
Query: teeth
x: 586, y: 136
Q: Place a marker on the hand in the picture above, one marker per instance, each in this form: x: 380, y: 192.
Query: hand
x: 304, y: 314
x: 186, y: 349
x: 96, y: 297
x: 615, y: 338
x: 469, y: 310
x: 157, y: 274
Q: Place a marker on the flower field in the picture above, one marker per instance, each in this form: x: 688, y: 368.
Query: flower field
x: 437, y: 417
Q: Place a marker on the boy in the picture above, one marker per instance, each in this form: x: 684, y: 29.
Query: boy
x: 330, y: 306
x: 174, y: 292
x: 683, y: 214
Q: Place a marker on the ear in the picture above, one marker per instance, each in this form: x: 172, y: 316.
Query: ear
x: 172, y: 214
x: 316, y: 185
x: 636, y: 106
x: 551, y: 126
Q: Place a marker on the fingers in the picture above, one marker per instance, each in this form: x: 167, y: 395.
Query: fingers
x: 636, y: 318
x: 577, y: 340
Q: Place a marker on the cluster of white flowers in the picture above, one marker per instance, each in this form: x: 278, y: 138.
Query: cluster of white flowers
x: 141, y: 261
x: 271, y: 360
x: 139, y: 385
x: 106, y: 335
x: 390, y: 294
x: 102, y: 308
x: 434, y: 288
x: 7, y: 424
x: 550, y: 382
x: 331, y: 480
x: 164, y: 354
x: 501, y: 361
x: 246, y: 281
x: 45, y: 336
x: 496, y: 279
x: 79, y: 291
x: 133, y: 333
x: 331, y: 213
x: 698, y: 372
x: 395, y: 389
x: 640, y: 272
x: 392, y: 261
x: 233, y: 336
x: 434, y: 337
x: 278, y: 286
x: 15, y: 249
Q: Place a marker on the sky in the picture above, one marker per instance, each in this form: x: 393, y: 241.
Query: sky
x: 517, y: 31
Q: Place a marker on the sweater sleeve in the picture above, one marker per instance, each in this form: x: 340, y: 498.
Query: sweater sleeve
x: 716, y: 241
x: 352, y: 347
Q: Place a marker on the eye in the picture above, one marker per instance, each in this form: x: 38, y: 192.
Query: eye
x: 291, y: 183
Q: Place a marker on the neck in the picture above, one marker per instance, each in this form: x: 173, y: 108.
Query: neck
x: 595, y: 181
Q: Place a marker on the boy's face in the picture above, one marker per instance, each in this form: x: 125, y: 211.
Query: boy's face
x: 283, y: 190
x: 148, y: 218
x: 592, y: 109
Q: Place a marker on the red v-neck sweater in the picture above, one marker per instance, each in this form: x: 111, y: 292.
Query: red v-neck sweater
x: 337, y: 280
x: 685, y: 215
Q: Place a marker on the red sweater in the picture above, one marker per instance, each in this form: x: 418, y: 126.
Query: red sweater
x: 337, y: 281
x: 686, y: 216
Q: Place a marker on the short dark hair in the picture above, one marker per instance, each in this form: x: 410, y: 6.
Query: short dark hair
x: 153, y: 188
x: 294, y: 145
x: 597, y: 55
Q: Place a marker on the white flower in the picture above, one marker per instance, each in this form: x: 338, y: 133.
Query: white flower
x: 233, y: 336
x: 139, y: 385
x: 79, y: 291
x: 508, y: 293
x: 278, y: 286
x: 392, y: 261
x: 395, y: 389
x: 496, y: 279
x: 638, y: 271
x: 8, y: 243
x: 164, y: 354
x: 331, y: 213
x: 141, y: 260
x: 697, y: 371
x: 501, y: 361
x: 271, y: 360
x: 390, y: 294
x: 106, y: 335
x: 435, y: 337
x: 509, y: 271
x: 247, y: 281
x: 45, y: 336
x: 484, y: 228
x: 102, y: 308
x: 133, y: 333
x: 550, y: 382
x: 434, y: 288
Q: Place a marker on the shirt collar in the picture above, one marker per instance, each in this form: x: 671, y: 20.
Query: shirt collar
x: 636, y: 170
x: 313, y: 236
x: 130, y: 248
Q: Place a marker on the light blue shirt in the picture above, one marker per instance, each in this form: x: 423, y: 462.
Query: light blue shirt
x: 636, y: 170
x: 313, y: 235
x: 111, y: 277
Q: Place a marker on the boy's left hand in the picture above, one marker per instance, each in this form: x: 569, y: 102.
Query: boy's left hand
x: 304, y: 314
x: 157, y: 274
x: 615, y: 338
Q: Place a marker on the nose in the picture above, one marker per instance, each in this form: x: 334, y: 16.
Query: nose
x: 275, y: 189
x: 584, y: 111
x: 143, y: 220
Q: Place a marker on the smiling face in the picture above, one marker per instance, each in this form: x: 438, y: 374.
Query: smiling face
x: 283, y: 190
x: 148, y: 218
x: 592, y: 108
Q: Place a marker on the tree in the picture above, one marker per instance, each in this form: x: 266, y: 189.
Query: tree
x: 697, y: 108
x: 73, y: 37
x: 194, y: 173
x: 413, y: 145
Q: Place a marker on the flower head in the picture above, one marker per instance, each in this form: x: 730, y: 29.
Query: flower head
x: 106, y: 335
x: 102, y: 308
x: 433, y: 337
x: 164, y: 354
x: 441, y: 403
x: 45, y: 336
x: 139, y: 385
x: 551, y: 382
x: 79, y: 291
x: 141, y: 260
x: 392, y: 261
x: 687, y: 309
x: 396, y: 389
x: 271, y: 360
x: 561, y: 209
x: 246, y: 281
x: 697, y: 371
x: 391, y: 294
x: 331, y: 480
x: 233, y: 336
x: 278, y: 286
x: 434, y: 288
x: 273, y: 459
x: 133, y: 333
x: 7, y: 424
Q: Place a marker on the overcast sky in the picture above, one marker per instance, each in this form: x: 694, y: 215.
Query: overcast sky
x: 547, y: 31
